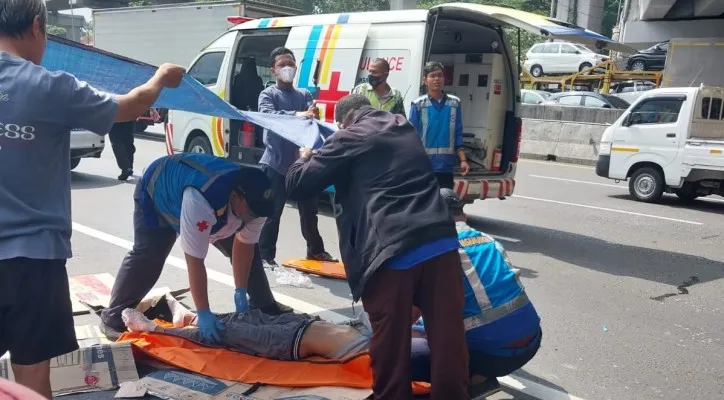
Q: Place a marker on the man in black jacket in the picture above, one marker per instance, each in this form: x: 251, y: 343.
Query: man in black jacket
x: 397, y: 240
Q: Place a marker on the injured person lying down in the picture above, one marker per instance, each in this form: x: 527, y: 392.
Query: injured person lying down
x: 285, y: 337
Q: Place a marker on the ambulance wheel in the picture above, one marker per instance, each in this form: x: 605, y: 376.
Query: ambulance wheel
x: 199, y: 144
x: 74, y: 163
x: 646, y: 184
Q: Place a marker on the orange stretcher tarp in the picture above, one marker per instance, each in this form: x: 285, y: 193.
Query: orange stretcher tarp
x: 354, y: 372
x: 321, y: 268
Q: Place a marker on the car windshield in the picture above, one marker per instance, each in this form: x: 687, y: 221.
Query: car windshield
x: 583, y: 48
x: 617, y: 102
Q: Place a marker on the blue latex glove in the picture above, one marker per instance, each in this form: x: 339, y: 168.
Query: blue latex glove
x: 418, y: 328
x: 209, y: 325
x: 242, y: 304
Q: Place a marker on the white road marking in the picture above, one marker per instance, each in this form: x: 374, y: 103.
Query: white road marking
x: 506, y: 239
x: 577, y: 181
x: 624, y: 187
x: 554, y: 164
x: 519, y: 384
x: 683, y: 221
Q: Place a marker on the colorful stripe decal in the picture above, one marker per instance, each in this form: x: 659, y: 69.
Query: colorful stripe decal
x: 328, y: 51
x: 343, y: 18
x: 216, y: 138
x: 625, y: 149
x: 306, y: 72
x: 264, y: 22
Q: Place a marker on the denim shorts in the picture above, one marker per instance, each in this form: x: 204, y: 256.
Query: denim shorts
x: 257, y: 334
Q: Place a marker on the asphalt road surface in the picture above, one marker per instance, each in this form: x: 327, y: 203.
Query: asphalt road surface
x: 630, y: 294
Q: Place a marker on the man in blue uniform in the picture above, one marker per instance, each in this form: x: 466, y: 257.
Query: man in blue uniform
x: 203, y: 199
x: 502, y: 327
x: 438, y: 118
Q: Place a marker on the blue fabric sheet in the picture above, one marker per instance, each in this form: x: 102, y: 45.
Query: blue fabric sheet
x: 119, y: 75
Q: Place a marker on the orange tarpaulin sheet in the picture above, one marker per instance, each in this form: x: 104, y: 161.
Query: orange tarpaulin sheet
x: 321, y: 268
x: 354, y: 372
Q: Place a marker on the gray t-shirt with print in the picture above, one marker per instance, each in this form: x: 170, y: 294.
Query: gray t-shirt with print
x: 38, y: 109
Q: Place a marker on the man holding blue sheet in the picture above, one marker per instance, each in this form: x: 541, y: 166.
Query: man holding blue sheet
x: 38, y: 110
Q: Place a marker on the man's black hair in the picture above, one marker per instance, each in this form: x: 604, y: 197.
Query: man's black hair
x: 431, y: 67
x: 279, y: 51
x: 385, y: 65
x: 349, y: 104
x: 17, y: 16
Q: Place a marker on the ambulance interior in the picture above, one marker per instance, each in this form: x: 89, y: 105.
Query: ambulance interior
x: 477, y: 71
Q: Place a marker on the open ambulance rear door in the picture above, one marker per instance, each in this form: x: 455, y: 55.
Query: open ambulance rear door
x: 537, y: 24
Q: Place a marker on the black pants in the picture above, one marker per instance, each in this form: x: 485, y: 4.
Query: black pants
x: 142, y: 267
x: 121, y: 136
x: 307, y: 219
x: 445, y: 179
x: 36, y: 316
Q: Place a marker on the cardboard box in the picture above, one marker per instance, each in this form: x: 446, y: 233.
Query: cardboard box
x: 181, y: 385
x: 89, y: 369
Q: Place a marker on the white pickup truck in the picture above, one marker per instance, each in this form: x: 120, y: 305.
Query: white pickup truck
x: 84, y: 144
x: 670, y: 140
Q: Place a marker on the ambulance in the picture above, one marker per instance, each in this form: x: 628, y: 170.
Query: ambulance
x: 334, y: 52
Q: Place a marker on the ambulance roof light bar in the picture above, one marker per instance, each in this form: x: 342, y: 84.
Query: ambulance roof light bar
x: 236, y: 19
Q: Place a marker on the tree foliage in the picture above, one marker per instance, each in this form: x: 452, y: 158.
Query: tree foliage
x: 57, y: 30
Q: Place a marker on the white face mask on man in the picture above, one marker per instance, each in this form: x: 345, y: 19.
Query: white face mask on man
x: 286, y: 74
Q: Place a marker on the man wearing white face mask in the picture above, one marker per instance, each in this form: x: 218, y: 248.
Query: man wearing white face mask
x: 284, y: 98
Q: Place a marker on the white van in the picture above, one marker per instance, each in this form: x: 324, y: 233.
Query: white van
x: 333, y: 53
x: 670, y: 140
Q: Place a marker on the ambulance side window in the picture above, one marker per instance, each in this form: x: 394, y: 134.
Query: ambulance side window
x: 206, y: 69
x: 252, y: 69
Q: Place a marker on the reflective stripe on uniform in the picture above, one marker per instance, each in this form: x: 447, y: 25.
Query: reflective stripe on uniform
x: 440, y: 150
x: 471, y: 274
x: 494, y: 314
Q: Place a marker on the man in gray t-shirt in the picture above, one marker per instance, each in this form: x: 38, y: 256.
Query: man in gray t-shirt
x: 284, y: 99
x: 38, y: 109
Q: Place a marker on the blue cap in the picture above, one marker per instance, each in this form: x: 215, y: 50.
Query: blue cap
x: 254, y: 185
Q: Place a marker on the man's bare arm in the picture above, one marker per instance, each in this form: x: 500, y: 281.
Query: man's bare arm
x: 198, y: 282
x: 135, y: 103
x: 242, y: 255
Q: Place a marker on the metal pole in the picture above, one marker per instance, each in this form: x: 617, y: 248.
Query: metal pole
x: 72, y: 20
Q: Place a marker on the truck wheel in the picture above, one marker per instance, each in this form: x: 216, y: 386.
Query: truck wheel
x: 200, y: 144
x: 687, y: 192
x: 646, y: 184
x: 74, y: 163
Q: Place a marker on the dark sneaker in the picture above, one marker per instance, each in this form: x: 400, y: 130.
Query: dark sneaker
x: 270, y: 264
x: 125, y: 175
x: 483, y: 390
x: 323, y: 256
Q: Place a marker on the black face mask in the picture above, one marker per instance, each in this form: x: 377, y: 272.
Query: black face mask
x: 375, y: 80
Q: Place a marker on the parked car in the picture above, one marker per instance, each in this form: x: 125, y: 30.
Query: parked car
x: 560, y: 58
x: 528, y: 96
x: 84, y: 144
x: 631, y: 90
x: 651, y: 59
x: 587, y: 99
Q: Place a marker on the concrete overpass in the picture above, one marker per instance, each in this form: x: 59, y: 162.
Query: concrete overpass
x: 645, y: 22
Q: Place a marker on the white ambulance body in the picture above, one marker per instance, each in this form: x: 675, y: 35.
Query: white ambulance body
x: 333, y: 53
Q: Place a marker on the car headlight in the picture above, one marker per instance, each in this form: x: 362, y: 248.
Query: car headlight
x: 604, y: 149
